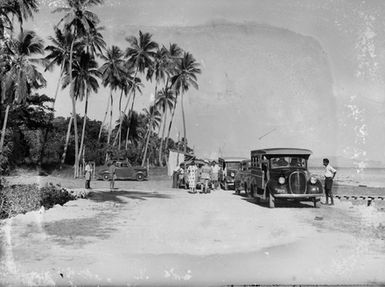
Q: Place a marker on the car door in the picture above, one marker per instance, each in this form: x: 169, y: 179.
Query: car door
x: 130, y: 171
x: 119, y: 170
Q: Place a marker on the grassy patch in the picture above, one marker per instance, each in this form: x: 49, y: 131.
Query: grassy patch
x: 19, y: 198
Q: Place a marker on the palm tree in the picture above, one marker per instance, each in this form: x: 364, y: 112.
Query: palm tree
x: 85, y: 74
x: 93, y: 42
x: 174, y: 55
x: 23, y: 9
x: 131, y: 125
x: 159, y: 71
x: 21, y: 74
x: 59, y: 54
x: 112, y: 71
x: 79, y: 21
x: 153, y: 120
x: 140, y: 55
x: 186, y: 75
x: 6, y: 8
x: 165, y: 101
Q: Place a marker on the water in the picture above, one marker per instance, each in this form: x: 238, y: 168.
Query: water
x: 371, y: 177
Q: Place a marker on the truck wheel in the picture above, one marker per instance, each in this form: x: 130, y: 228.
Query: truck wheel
x: 271, y: 201
x: 316, y: 202
x: 139, y: 177
x: 106, y: 177
x: 226, y: 186
x: 237, y: 188
x: 250, y: 192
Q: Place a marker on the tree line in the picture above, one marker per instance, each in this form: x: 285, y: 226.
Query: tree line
x: 85, y: 62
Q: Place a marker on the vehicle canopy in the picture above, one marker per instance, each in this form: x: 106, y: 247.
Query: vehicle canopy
x: 274, y: 152
x: 231, y: 159
x: 231, y: 162
x: 198, y: 162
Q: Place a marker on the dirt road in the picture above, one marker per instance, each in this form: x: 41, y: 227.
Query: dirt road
x: 146, y: 233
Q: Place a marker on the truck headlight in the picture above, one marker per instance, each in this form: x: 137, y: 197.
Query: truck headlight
x: 281, y: 180
x: 313, y: 180
x: 232, y: 174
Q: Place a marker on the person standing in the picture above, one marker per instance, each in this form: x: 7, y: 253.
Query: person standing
x: 215, y: 174
x: 205, y: 178
x: 88, y: 175
x: 112, y: 171
x: 192, y: 171
x: 330, y: 173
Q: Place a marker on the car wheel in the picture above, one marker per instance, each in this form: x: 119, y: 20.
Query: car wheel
x: 226, y: 186
x: 271, y: 201
x: 106, y: 177
x: 316, y: 202
x: 139, y: 177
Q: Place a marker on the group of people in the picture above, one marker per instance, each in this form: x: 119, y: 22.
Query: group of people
x: 205, y: 177
x: 88, y: 171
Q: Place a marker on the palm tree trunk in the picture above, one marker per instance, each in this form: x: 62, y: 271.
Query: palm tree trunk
x: 120, y: 119
x: 4, y: 128
x: 58, y: 85
x: 171, y: 120
x: 162, y: 138
x: 84, y: 125
x: 63, y: 158
x: 184, y: 129
x: 104, y: 119
x: 72, y: 94
x: 149, y: 127
x: 110, y: 125
x: 148, y: 136
x: 129, y: 119
x: 132, y: 107
x: 123, y: 113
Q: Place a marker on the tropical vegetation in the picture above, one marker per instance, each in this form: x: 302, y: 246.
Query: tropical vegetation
x: 30, y: 132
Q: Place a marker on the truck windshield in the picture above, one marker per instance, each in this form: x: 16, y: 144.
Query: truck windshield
x: 287, y: 161
x: 233, y: 165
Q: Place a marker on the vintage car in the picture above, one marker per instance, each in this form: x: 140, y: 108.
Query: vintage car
x: 229, y: 169
x: 124, y: 171
x: 282, y: 174
x: 242, y: 178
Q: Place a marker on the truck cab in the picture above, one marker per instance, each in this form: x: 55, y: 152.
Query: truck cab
x: 230, y: 166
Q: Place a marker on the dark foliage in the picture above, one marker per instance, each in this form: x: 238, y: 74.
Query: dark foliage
x: 19, y: 199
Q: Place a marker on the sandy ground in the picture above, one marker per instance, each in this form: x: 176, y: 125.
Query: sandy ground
x: 146, y: 233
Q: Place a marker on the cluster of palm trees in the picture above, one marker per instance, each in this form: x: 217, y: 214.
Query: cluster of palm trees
x: 77, y: 48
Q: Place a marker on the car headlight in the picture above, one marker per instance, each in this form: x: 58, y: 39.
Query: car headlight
x: 232, y: 174
x: 281, y: 180
x: 313, y: 180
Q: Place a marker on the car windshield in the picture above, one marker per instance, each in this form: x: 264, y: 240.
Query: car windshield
x: 233, y: 165
x: 288, y: 161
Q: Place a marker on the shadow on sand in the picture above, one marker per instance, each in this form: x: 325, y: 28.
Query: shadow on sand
x: 116, y: 196
x: 278, y: 203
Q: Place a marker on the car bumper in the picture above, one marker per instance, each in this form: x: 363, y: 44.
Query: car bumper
x: 297, y: 196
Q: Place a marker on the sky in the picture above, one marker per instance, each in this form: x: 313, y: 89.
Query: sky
x: 275, y: 73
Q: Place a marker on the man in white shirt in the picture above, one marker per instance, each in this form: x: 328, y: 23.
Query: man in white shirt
x: 330, y: 173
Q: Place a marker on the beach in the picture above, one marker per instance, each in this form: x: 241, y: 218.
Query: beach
x: 146, y: 233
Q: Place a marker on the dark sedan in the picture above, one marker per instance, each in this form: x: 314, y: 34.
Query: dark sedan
x: 124, y: 171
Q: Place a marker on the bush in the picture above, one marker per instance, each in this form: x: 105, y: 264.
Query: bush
x: 51, y: 195
x: 16, y: 199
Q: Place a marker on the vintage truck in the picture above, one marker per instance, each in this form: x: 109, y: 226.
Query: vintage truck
x: 282, y: 174
x: 229, y: 169
x: 242, y: 178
